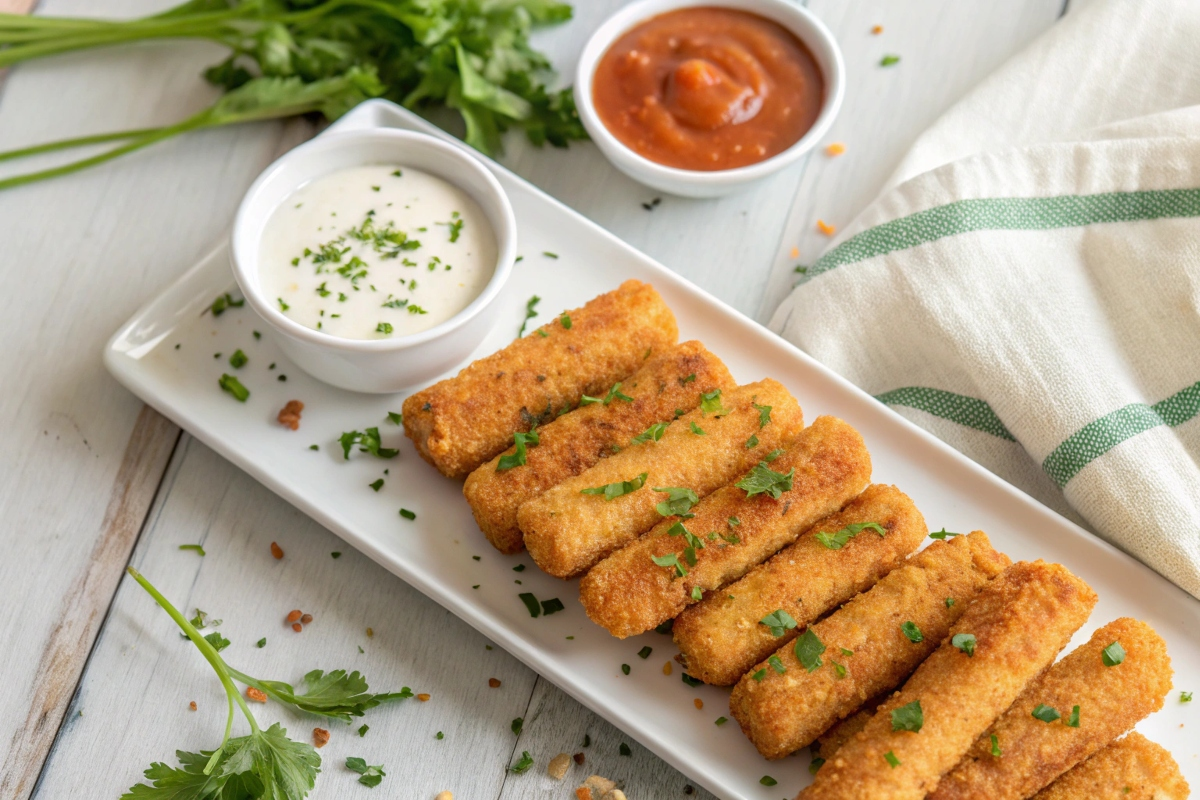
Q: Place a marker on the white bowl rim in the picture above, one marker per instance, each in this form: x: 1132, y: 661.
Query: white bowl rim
x: 639, y: 11
x: 506, y: 240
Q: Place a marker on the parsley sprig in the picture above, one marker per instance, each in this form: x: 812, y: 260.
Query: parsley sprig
x: 764, y: 480
x: 264, y: 763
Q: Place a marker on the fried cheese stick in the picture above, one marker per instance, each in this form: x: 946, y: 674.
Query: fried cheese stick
x: 572, y: 526
x: 672, y: 379
x: 866, y: 648
x: 721, y: 638
x: 1111, y: 700
x: 1016, y: 624
x: 461, y: 422
x: 1133, y: 768
x: 630, y: 592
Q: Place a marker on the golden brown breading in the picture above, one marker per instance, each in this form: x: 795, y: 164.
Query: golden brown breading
x: 672, y: 379
x: 1133, y: 768
x: 567, y: 532
x: 1111, y: 701
x: 720, y: 638
x: 831, y: 740
x: 1019, y: 622
x: 782, y: 712
x: 628, y: 593
x: 461, y: 422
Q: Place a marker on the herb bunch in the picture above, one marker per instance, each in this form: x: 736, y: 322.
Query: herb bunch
x: 291, y: 57
x: 264, y: 763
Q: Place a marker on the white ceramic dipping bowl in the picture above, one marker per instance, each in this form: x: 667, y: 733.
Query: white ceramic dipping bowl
x: 374, y: 365
x: 695, y: 183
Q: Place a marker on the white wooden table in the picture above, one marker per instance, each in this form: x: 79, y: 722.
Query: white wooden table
x: 96, y: 683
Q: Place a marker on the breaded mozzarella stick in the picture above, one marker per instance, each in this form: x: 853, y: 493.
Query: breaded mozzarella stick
x: 1034, y: 751
x: 722, y: 637
x: 1009, y: 633
x: 461, y: 422
x: 1133, y: 768
x: 632, y: 590
x: 670, y: 380
x: 869, y: 647
x: 572, y: 526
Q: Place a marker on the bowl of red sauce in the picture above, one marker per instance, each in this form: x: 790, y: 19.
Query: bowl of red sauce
x: 700, y: 99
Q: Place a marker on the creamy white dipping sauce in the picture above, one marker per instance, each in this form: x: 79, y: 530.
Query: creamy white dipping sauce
x: 376, y: 252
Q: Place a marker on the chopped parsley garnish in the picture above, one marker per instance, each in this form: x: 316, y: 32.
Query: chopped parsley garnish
x: 758, y: 676
x: 517, y: 458
x: 838, y: 669
x: 193, y: 547
x: 815, y: 765
x: 368, y: 776
x: 611, y: 491
x: 530, y: 313
x: 368, y: 441
x: 752, y: 443
x: 808, y: 650
x: 395, y: 303
x: 517, y: 725
x: 376, y: 484
x: 523, y: 764
x: 543, y: 334
x: 234, y: 387
x: 394, y: 418
x: 764, y: 414
x: 651, y: 434
x: 384, y: 327
x: 261, y: 643
x: 949, y: 602
x: 720, y: 721
x: 1073, y: 720
x: 1185, y: 697
x: 548, y: 254
x: 687, y: 380
x: 696, y: 429
x: 734, y: 522
x: 455, y: 224
x: 678, y: 503
x: 697, y: 595
x: 846, y: 652
x: 223, y: 302
x: 908, y: 717
x: 670, y: 560
x: 942, y: 534
x: 645, y: 652
x: 767, y: 780
x: 404, y: 512
x: 836, y: 541
x: 1045, y: 713
x: 710, y: 403
x: 995, y: 746
x: 964, y: 642
x: 764, y: 480
x: 1113, y: 654
x: 665, y: 627
x: 776, y: 664
x: 565, y: 320
x: 217, y: 641
x: 778, y: 622
x: 689, y: 680
x: 911, y: 630
x: 625, y: 668
x: 335, y: 554
x: 551, y: 606
x: 531, y: 603
x: 890, y: 757
x: 889, y: 60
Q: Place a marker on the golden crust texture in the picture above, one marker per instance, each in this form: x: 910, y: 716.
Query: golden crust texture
x: 721, y: 638
x: 628, y: 593
x: 782, y: 712
x: 461, y: 422
x: 1133, y: 768
x: 567, y: 532
x: 672, y: 379
x: 1111, y: 701
x: 1020, y: 621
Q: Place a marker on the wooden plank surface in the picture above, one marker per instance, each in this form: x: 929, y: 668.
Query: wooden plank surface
x: 105, y: 241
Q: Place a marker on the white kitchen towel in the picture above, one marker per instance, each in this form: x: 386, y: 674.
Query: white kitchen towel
x: 1027, y: 286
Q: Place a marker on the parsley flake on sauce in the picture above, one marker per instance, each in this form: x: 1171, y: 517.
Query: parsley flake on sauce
x: 908, y: 717
x: 764, y: 480
x: 611, y: 491
x: 678, y: 503
x: 517, y: 458
x: 778, y: 622
x: 836, y: 541
x: 808, y: 650
x: 1113, y: 654
x: 964, y: 642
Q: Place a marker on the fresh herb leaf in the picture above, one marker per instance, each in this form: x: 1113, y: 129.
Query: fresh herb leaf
x: 1073, y: 720
x: 625, y: 668
x: 530, y: 313
x: 911, y: 630
x: 758, y: 676
x: 891, y: 759
x: 518, y: 725
x: 224, y: 302
x: 612, y: 491
x: 889, y: 60
x: 651, y: 434
x: 671, y: 560
x: 376, y: 484
x: 776, y: 664
x: 908, y: 717
x: 523, y: 763
x: 767, y: 780
x: 697, y: 594
x: 942, y: 534
x: 815, y: 765
x: 531, y: 603
x: 764, y: 414
x: 1045, y: 713
x: 645, y: 652
x: 565, y: 320
x: 949, y: 602
x: 764, y: 480
x: 710, y: 403
x: 836, y: 541
x: 394, y: 418
x: 808, y: 650
x: 689, y: 680
x: 1113, y: 654
x: 517, y: 458
x: 261, y: 643
x: 193, y: 547
x: 368, y: 776
x: 720, y: 721
x: 778, y: 622
x: 678, y: 503
x: 696, y: 429
x: 368, y: 441
x: 238, y: 359
x: 551, y: 606
x: 1185, y: 697
x: 964, y: 642
x: 404, y: 512
x: 234, y: 387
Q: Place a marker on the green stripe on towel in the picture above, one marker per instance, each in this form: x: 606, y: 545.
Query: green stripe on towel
x: 1007, y: 213
x: 1099, y: 436
x: 969, y: 411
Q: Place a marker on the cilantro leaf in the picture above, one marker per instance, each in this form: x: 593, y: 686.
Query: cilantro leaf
x: 523, y: 764
x: 368, y: 776
x: 778, y: 622
x: 764, y: 414
x: 517, y: 458
x: 651, y: 434
x: 678, y: 503
x: 808, y: 650
x: 764, y: 480
x: 710, y: 403
x: 336, y: 694
x: 671, y: 560
x: 908, y: 717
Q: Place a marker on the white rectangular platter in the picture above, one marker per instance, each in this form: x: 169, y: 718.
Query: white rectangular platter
x: 165, y: 355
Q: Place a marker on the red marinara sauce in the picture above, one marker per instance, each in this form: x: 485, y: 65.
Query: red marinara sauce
x: 708, y: 88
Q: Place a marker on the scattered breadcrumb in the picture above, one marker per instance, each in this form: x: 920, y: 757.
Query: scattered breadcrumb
x: 878, y: 29
x: 320, y: 737
x: 297, y: 627
x: 289, y: 415
x: 597, y: 788
x: 494, y: 683
x: 667, y: 668
x: 698, y: 703
x: 307, y: 618
x: 276, y: 550
x: 825, y: 227
x: 370, y: 632
x: 578, y: 758
x: 294, y: 615
x: 423, y: 697
x: 795, y: 252
x: 444, y: 796
x: 192, y: 705
x: 558, y: 766
x: 835, y: 149
x: 257, y: 695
